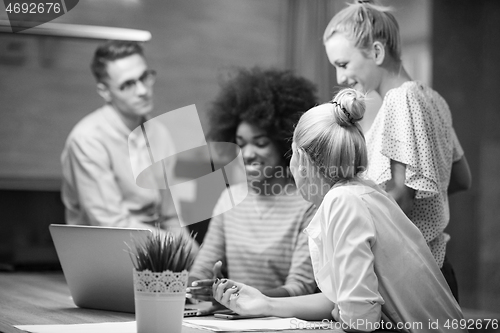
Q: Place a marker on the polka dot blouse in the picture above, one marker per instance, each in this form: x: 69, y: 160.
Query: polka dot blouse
x: 414, y: 127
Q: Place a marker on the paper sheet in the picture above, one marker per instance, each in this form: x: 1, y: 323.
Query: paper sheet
x: 254, y: 324
x: 213, y: 324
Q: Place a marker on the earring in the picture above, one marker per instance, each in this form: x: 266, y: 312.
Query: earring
x: 302, y: 170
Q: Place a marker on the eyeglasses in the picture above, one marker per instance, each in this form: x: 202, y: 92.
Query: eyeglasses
x: 148, y: 78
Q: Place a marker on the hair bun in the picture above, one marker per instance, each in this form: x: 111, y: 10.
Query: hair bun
x: 348, y: 107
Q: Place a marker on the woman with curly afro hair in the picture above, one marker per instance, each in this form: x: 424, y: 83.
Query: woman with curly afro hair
x: 260, y: 241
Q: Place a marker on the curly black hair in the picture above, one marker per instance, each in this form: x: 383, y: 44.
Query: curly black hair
x: 270, y: 99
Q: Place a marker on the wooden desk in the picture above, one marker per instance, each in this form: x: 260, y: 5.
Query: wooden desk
x: 44, y: 298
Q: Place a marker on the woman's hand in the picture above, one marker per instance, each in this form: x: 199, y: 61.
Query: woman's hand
x: 240, y: 298
x: 202, y: 290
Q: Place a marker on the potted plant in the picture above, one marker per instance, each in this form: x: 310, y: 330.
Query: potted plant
x: 161, y: 264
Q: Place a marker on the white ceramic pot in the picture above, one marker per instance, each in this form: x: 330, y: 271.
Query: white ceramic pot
x: 159, y: 301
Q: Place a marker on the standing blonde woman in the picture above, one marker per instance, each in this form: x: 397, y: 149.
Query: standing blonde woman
x: 370, y: 261
x: 413, y: 151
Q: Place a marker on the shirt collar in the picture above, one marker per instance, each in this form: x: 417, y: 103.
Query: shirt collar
x: 114, y: 120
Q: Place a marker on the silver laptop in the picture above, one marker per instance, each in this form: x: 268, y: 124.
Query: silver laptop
x: 97, y: 265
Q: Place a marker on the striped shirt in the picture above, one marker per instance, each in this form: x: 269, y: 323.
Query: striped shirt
x: 261, y: 242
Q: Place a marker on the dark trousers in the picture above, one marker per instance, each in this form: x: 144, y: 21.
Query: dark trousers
x: 449, y: 275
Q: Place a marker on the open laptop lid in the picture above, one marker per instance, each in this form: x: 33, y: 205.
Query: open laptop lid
x: 97, y: 265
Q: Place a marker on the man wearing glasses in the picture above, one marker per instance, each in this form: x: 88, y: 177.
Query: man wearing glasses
x: 98, y: 183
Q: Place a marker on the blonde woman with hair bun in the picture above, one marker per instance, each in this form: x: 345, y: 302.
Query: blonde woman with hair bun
x: 372, y: 264
x: 413, y: 151
x: 330, y: 125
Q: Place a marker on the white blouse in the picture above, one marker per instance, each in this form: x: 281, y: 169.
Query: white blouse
x: 414, y: 127
x: 373, y: 263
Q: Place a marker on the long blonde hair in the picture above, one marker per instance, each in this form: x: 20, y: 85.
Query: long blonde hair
x: 364, y: 23
x: 332, y: 138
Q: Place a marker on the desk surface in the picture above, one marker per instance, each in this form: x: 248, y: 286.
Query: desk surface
x: 44, y: 298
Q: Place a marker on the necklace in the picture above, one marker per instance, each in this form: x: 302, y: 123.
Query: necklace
x: 265, y: 205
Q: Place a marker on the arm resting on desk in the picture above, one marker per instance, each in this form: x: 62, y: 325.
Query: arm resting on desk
x: 247, y: 300
x: 307, y: 307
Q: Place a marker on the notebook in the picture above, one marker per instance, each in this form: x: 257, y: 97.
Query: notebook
x: 97, y: 266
